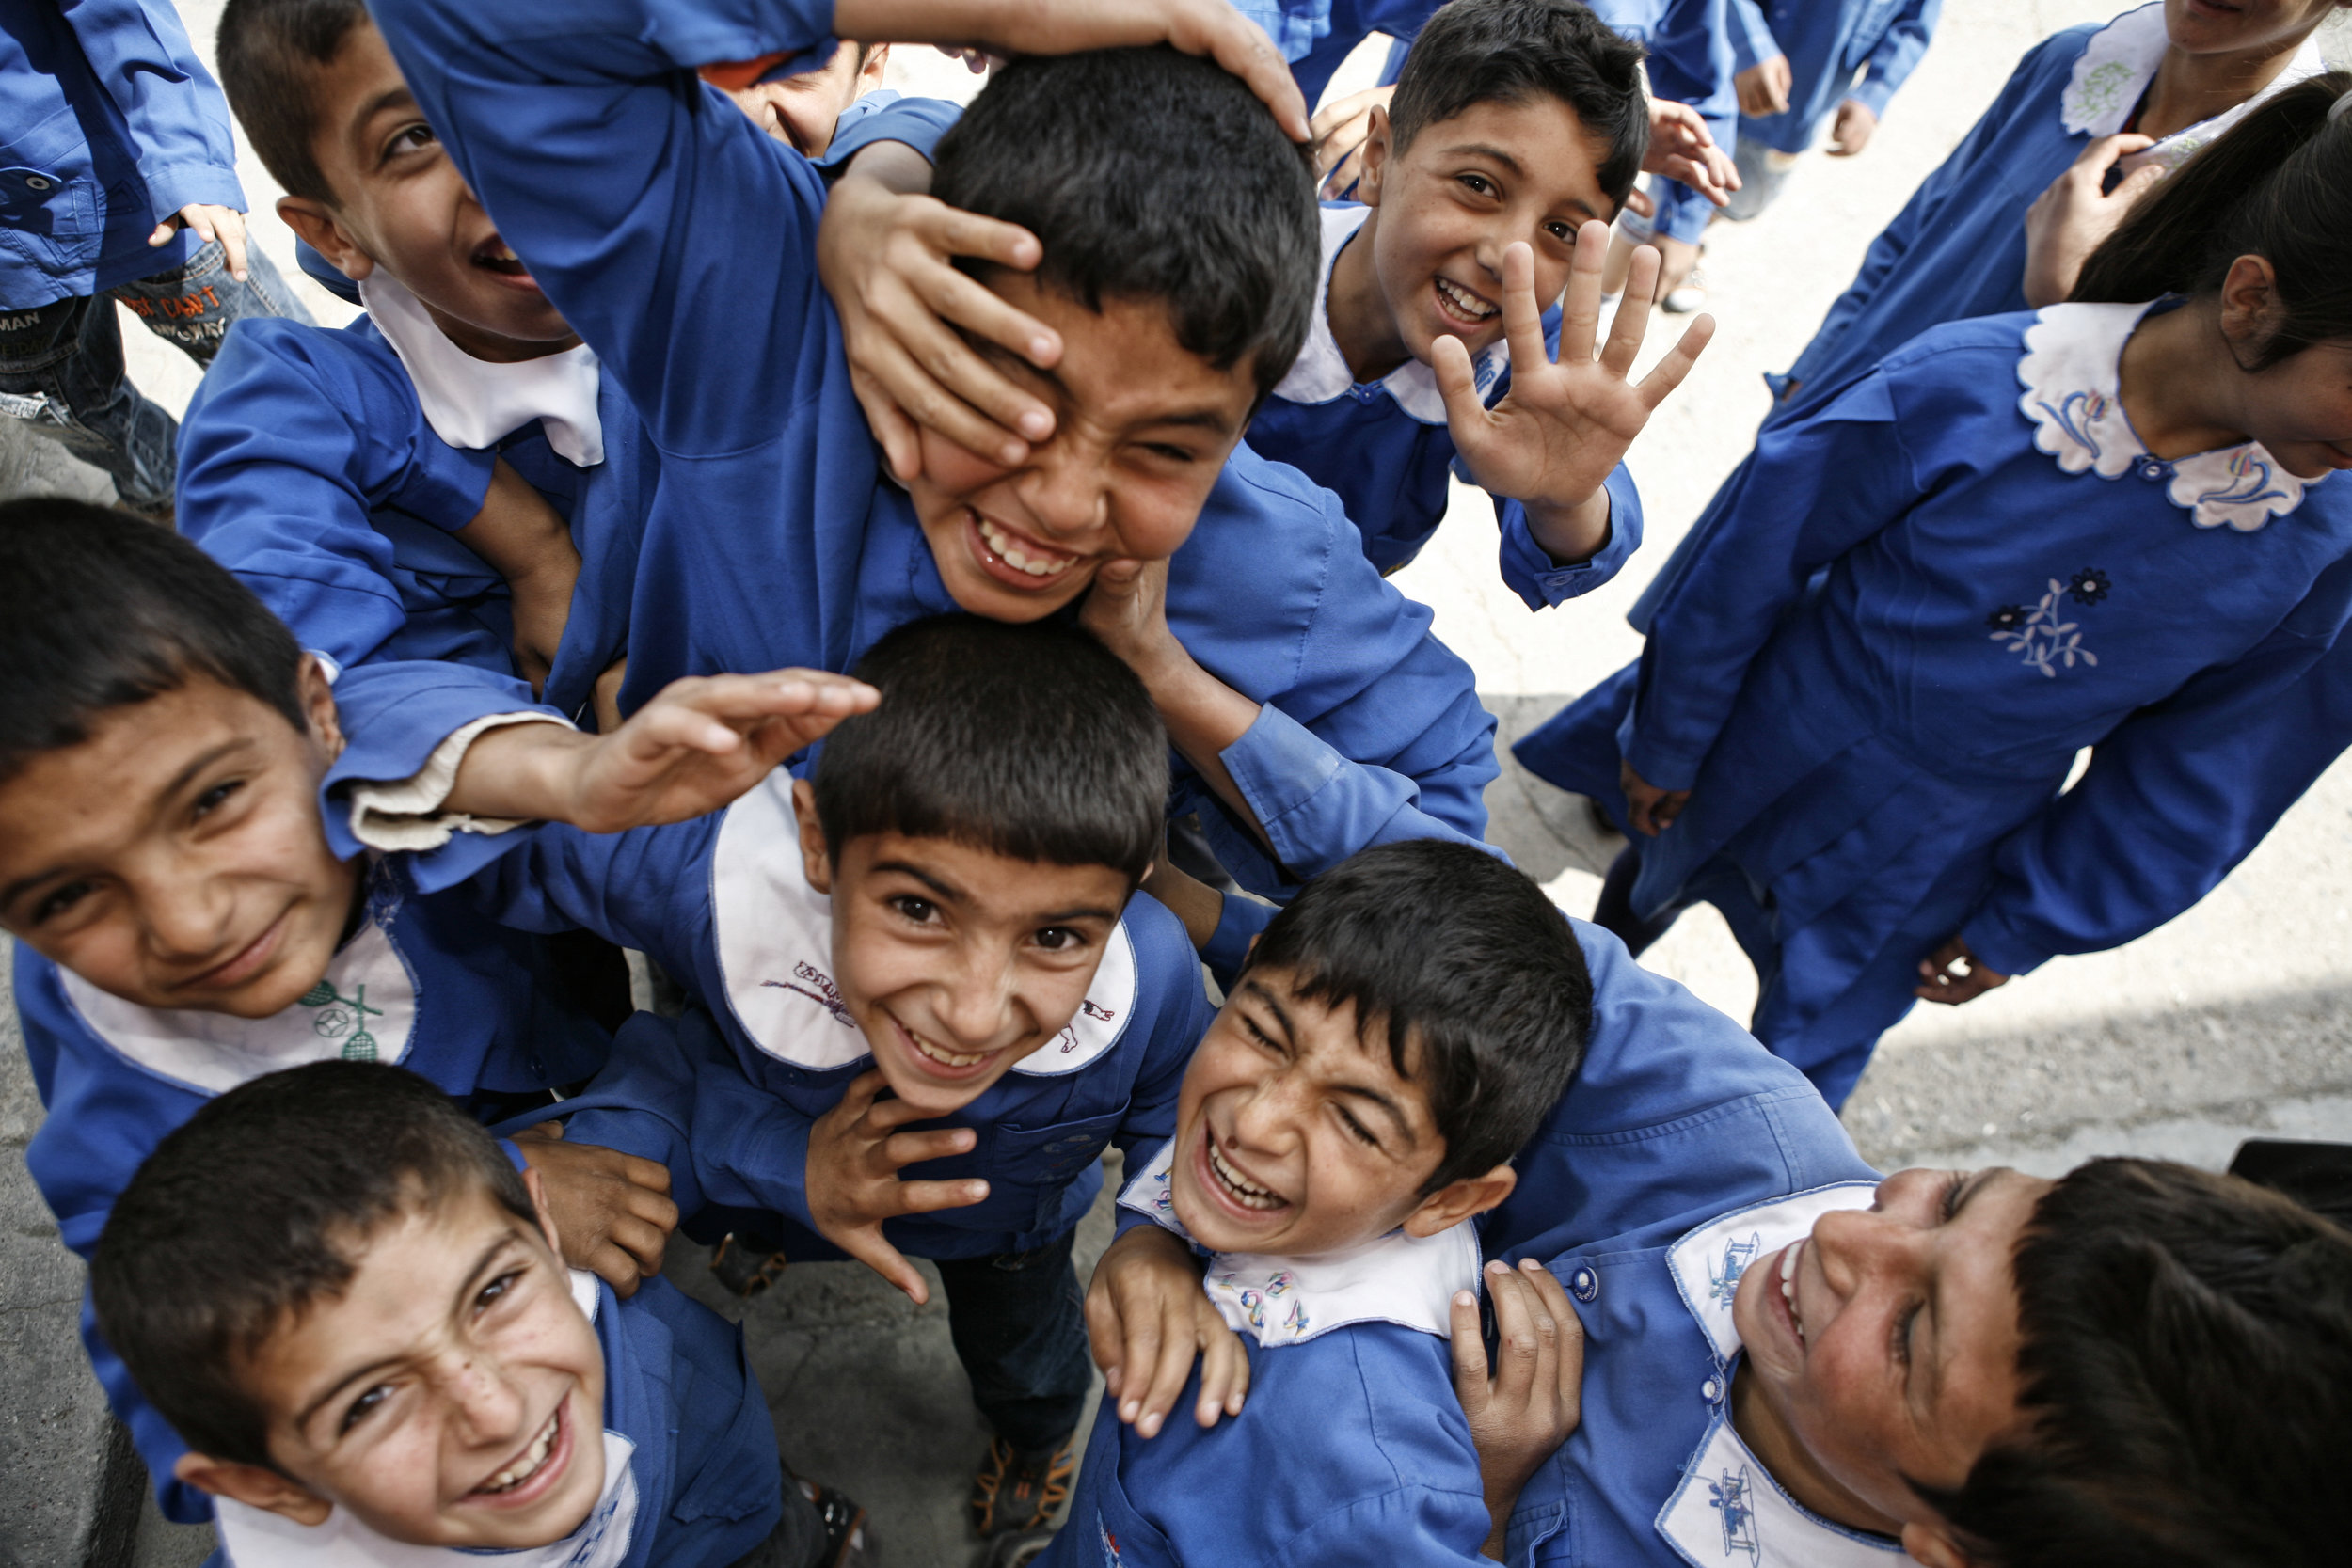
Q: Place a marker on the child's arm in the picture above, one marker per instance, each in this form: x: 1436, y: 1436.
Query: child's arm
x: 1556, y: 436
x: 1896, y: 55
x: 2069, y: 219
x: 1534, y: 1399
x: 178, y: 119
x: 521, y: 536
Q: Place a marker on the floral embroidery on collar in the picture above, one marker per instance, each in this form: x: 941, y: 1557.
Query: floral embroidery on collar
x: 2070, y: 376
x: 2115, y: 68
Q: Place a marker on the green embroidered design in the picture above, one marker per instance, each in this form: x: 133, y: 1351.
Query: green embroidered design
x: 344, y: 1019
x: 2102, y: 89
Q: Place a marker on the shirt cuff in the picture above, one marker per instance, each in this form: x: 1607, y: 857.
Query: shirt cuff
x: 1872, y: 94
x: 1529, y: 570
x: 406, y: 816
x: 173, y: 186
x: 1315, y: 805
x: 1991, y: 940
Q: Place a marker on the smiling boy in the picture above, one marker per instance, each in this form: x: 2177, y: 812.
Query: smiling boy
x: 929, y: 995
x: 350, y: 1304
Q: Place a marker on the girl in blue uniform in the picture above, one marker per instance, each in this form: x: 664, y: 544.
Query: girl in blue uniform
x: 1991, y: 550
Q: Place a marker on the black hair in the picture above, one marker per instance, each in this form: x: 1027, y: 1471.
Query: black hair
x: 270, y: 53
x: 1473, y: 52
x: 1150, y: 175
x: 2185, y: 1356
x: 105, y: 609
x: 1476, y: 980
x: 2277, y: 184
x: 1028, y: 740
x: 257, y: 1208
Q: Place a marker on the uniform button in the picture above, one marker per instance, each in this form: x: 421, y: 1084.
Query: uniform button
x: 1710, y: 1391
x: 35, y: 183
x: 2151, y: 469
x: 1585, y: 1285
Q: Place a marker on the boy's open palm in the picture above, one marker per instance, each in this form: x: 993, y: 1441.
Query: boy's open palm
x: 612, y: 1211
x: 1552, y: 440
x: 855, y: 1152
x: 1147, y: 1317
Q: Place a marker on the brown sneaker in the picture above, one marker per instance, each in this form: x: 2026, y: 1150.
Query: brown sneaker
x: 1021, y: 1489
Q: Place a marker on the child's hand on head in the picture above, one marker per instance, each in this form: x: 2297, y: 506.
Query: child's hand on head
x: 1554, y: 438
x: 698, y: 745
x: 612, y: 1211
x: 887, y: 254
x: 1533, y: 1400
x: 2068, y: 220
x: 1340, y: 129
x: 855, y: 1153
x: 1681, y: 148
x: 1147, y: 1317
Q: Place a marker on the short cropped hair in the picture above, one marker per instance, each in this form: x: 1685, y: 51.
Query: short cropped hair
x: 1474, y: 52
x: 255, y: 1210
x: 1150, y: 175
x: 2186, y: 1352
x: 1028, y: 740
x: 270, y: 53
x: 105, y: 609
x: 1469, y: 971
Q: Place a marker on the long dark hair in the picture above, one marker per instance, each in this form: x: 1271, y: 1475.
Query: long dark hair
x: 2277, y: 184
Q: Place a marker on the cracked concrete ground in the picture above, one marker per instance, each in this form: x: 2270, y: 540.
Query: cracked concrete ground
x: 2235, y: 1019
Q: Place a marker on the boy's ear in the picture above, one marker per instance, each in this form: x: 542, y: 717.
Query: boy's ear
x: 318, y: 707
x: 319, y: 227
x: 869, y: 75
x: 254, y: 1486
x: 537, y: 1187
x: 1375, y: 157
x: 1932, y: 1545
x: 1457, y: 1202
x: 816, y: 859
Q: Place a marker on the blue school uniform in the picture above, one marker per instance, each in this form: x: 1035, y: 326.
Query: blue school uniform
x: 1828, y: 47
x: 1352, y: 1413
x: 727, y: 1100
x: 1689, y: 62
x: 1958, y: 247
x: 1845, y: 810
x: 770, y: 538
x: 692, y: 1477
x: 108, y: 124
x: 1385, y: 450
x: 425, y: 980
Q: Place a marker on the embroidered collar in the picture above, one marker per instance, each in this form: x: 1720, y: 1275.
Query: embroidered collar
x: 473, y: 402
x: 774, y: 936
x: 363, y: 1009
x: 1320, y: 375
x: 1401, y: 1279
x: 2071, y: 372
x: 255, y: 1538
x: 1728, y: 1508
x: 2115, y: 68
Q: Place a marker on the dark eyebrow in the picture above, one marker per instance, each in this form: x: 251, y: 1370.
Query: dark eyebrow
x: 1084, y: 911
x: 1257, y: 988
x: 179, y: 781
x: 1479, y: 149
x: 390, y: 98
x: 1215, y: 421
x: 944, y: 889
x: 482, y: 1265
x: 1957, y: 1198
x: 1355, y: 1091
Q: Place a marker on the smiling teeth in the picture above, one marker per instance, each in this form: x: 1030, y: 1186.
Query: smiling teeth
x: 1464, y: 301
x: 1014, y: 556
x: 501, y: 253
x: 945, y: 1057
x: 1788, y: 1288
x: 1249, y: 1194
x: 514, y: 1476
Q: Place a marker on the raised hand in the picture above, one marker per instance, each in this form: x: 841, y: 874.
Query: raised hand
x: 855, y: 1152
x: 1534, y: 1401
x: 1554, y: 438
x: 1147, y: 1317
x: 1681, y: 148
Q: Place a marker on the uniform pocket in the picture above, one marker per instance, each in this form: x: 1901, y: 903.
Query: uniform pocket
x: 1045, y: 1160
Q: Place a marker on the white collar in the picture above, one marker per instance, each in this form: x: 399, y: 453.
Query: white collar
x: 775, y: 935
x: 475, y: 403
x: 1401, y: 1279
x: 1728, y: 1509
x: 256, y: 1538
x: 1320, y: 374
x: 2071, y: 372
x: 363, y: 1009
x: 2120, y: 61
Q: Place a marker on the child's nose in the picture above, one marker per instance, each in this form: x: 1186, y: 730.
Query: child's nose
x: 1068, y: 494
x: 489, y: 1407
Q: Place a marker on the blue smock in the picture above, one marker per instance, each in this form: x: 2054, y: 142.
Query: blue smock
x: 1690, y: 44
x: 1845, y: 809
x: 1828, y: 47
x: 108, y: 125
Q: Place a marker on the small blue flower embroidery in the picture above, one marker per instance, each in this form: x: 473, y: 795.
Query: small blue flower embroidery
x: 2090, y: 585
x: 2041, y: 639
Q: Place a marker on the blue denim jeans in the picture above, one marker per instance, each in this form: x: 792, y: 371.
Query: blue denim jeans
x: 62, y: 363
x: 1019, y: 1325
x: 1762, y: 172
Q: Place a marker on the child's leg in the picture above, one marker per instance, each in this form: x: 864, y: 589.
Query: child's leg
x: 1018, y: 1321
x: 61, y: 371
x: 1762, y: 172
x: 193, y: 304
x: 1613, y: 913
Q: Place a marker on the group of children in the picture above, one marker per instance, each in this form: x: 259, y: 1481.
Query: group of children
x: 828, y: 544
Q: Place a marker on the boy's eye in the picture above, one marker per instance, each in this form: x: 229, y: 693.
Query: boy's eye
x: 1903, y: 1321
x: 920, y: 911
x: 59, y: 900
x: 362, y: 1407
x: 1355, y: 1129
x: 214, y: 798
x: 498, y: 1290
x: 1259, y: 1037
x: 1477, y: 183
x: 1563, y: 233
x: 1060, y: 938
x: 410, y: 138
x: 1168, y: 453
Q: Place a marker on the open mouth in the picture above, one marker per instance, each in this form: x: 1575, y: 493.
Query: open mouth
x: 1457, y: 303
x: 1788, y: 1256
x: 1016, y: 557
x: 528, y: 1465
x: 494, y: 255
x: 945, y: 1060
x: 1235, y: 1187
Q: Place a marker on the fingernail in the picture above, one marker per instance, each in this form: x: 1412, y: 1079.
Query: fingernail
x: 1463, y: 1298
x: 1149, y: 1426
x: 1129, y: 1410
x: 1036, y: 426
x: 1040, y: 347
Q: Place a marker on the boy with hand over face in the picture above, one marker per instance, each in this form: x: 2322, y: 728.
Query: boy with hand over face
x: 351, y: 1305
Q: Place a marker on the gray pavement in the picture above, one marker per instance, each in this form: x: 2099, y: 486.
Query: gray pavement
x: 2235, y: 1019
